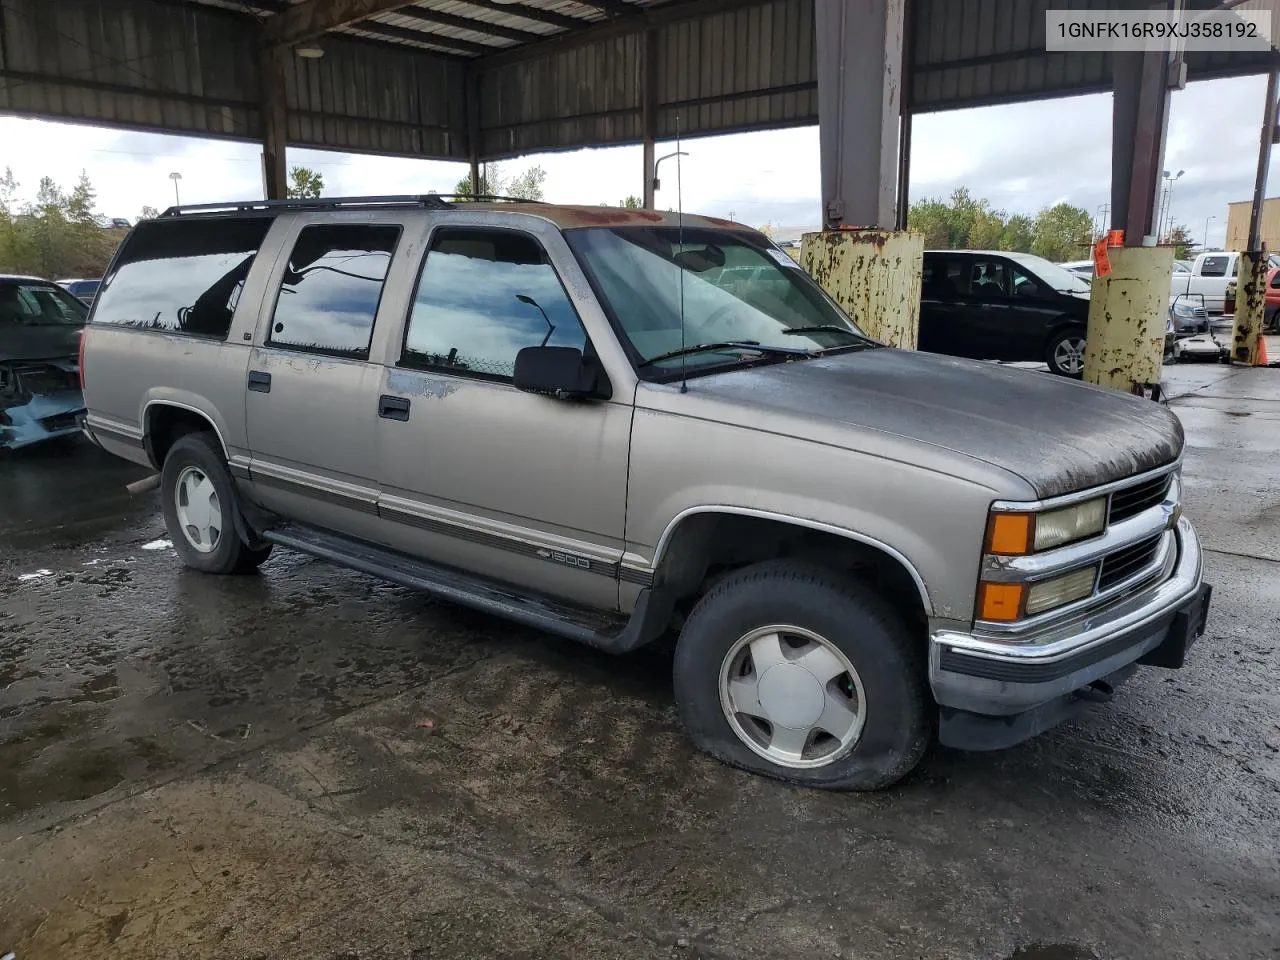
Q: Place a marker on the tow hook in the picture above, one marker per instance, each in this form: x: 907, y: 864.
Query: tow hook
x: 1097, y: 692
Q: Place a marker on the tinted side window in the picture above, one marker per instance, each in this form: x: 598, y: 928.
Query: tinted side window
x: 1214, y: 267
x: 331, y: 288
x: 181, y: 276
x: 944, y: 277
x: 990, y: 278
x: 482, y: 297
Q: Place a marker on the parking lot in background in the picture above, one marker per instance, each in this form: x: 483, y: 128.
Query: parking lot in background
x: 309, y: 762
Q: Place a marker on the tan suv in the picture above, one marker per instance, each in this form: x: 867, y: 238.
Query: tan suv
x: 617, y: 425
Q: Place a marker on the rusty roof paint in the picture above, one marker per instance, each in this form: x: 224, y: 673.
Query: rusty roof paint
x: 566, y: 216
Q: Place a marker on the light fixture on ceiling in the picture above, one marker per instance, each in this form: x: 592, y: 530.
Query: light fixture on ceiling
x: 309, y: 51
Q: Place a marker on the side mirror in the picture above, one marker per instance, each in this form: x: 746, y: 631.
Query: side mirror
x: 560, y: 372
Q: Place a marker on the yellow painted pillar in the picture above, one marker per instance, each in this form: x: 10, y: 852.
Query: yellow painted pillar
x: 1128, y: 316
x: 1251, y: 295
x: 874, y: 275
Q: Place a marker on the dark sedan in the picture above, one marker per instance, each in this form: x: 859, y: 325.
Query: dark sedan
x: 995, y: 305
x: 40, y: 327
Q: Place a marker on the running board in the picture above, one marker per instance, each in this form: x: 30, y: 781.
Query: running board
x: 611, y: 632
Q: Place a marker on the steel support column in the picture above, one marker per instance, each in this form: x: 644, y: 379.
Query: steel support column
x: 471, y: 108
x: 649, y: 111
x: 859, y: 47
x: 275, y: 123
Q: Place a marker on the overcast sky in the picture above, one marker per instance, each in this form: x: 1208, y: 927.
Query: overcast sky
x: 1021, y: 157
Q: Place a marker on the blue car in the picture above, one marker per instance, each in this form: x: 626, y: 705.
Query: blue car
x: 40, y: 329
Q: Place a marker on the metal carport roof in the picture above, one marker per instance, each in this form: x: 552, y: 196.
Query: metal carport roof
x: 449, y: 79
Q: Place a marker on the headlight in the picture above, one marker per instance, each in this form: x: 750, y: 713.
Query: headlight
x: 1185, y: 311
x: 1014, y: 534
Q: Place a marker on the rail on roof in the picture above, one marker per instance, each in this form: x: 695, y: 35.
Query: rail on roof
x: 428, y: 201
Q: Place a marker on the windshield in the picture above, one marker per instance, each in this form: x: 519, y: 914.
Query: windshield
x: 1064, y: 281
x: 40, y: 304
x: 737, y: 290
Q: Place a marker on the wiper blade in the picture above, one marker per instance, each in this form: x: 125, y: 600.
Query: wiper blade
x: 823, y: 328
x: 722, y: 345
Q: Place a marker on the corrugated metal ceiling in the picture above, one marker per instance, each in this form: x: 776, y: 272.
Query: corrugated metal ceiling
x: 551, y: 74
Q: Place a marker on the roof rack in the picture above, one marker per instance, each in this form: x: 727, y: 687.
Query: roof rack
x: 428, y: 201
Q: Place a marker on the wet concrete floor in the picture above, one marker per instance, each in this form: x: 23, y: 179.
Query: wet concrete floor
x: 310, y: 763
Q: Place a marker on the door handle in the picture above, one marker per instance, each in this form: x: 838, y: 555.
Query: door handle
x: 393, y: 408
x: 259, y: 381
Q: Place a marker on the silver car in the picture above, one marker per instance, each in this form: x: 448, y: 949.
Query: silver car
x: 618, y: 425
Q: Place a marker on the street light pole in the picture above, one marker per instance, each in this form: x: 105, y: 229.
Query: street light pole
x: 1168, y: 203
x: 175, y: 177
x: 1206, y: 233
x: 656, y: 182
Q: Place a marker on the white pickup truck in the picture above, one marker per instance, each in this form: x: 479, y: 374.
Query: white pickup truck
x: 1208, y: 277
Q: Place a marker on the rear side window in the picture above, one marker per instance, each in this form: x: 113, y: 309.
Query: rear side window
x: 1214, y: 267
x: 329, y: 296
x: 180, y: 276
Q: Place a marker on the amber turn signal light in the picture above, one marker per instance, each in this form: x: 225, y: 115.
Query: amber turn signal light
x: 1009, y: 534
x: 1000, y: 601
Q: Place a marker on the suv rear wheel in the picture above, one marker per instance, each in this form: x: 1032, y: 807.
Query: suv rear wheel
x: 792, y: 671
x: 195, y: 488
x: 1065, y: 353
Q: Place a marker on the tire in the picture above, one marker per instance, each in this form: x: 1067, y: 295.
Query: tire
x: 1062, y: 359
x: 889, y: 682
x: 195, y: 469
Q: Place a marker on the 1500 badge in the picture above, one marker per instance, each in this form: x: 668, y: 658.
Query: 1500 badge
x: 565, y: 558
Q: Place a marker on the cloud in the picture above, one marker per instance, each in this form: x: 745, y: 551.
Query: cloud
x: 1020, y: 156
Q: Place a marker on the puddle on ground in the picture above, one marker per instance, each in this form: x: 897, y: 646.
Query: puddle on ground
x: 1054, y: 951
x: 36, y: 575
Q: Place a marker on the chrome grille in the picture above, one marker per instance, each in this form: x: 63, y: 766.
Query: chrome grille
x: 1120, y: 566
x: 1131, y: 501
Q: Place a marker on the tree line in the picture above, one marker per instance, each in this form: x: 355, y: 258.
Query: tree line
x: 1058, y: 233
x: 59, y: 234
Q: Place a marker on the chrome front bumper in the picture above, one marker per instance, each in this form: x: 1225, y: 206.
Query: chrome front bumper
x: 998, y: 676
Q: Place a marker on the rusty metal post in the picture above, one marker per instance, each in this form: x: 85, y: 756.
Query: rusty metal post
x: 1251, y: 304
x: 272, y: 65
x: 1129, y: 309
x: 874, y: 275
x: 1128, y: 315
x: 649, y: 111
x: 1246, y: 332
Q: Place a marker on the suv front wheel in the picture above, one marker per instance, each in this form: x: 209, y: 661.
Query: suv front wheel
x: 195, y: 488
x: 792, y: 671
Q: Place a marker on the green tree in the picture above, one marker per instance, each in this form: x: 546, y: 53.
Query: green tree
x: 305, y: 183
x: 932, y: 219
x: 1019, y: 234
x: 632, y: 203
x: 495, y: 183
x: 528, y: 185
x: 57, y: 235
x: 491, y: 182
x: 987, y: 229
x: 1181, y: 240
x: 1062, y: 232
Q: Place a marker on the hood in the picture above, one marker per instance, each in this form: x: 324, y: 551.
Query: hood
x: 39, y: 342
x: 1056, y: 434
